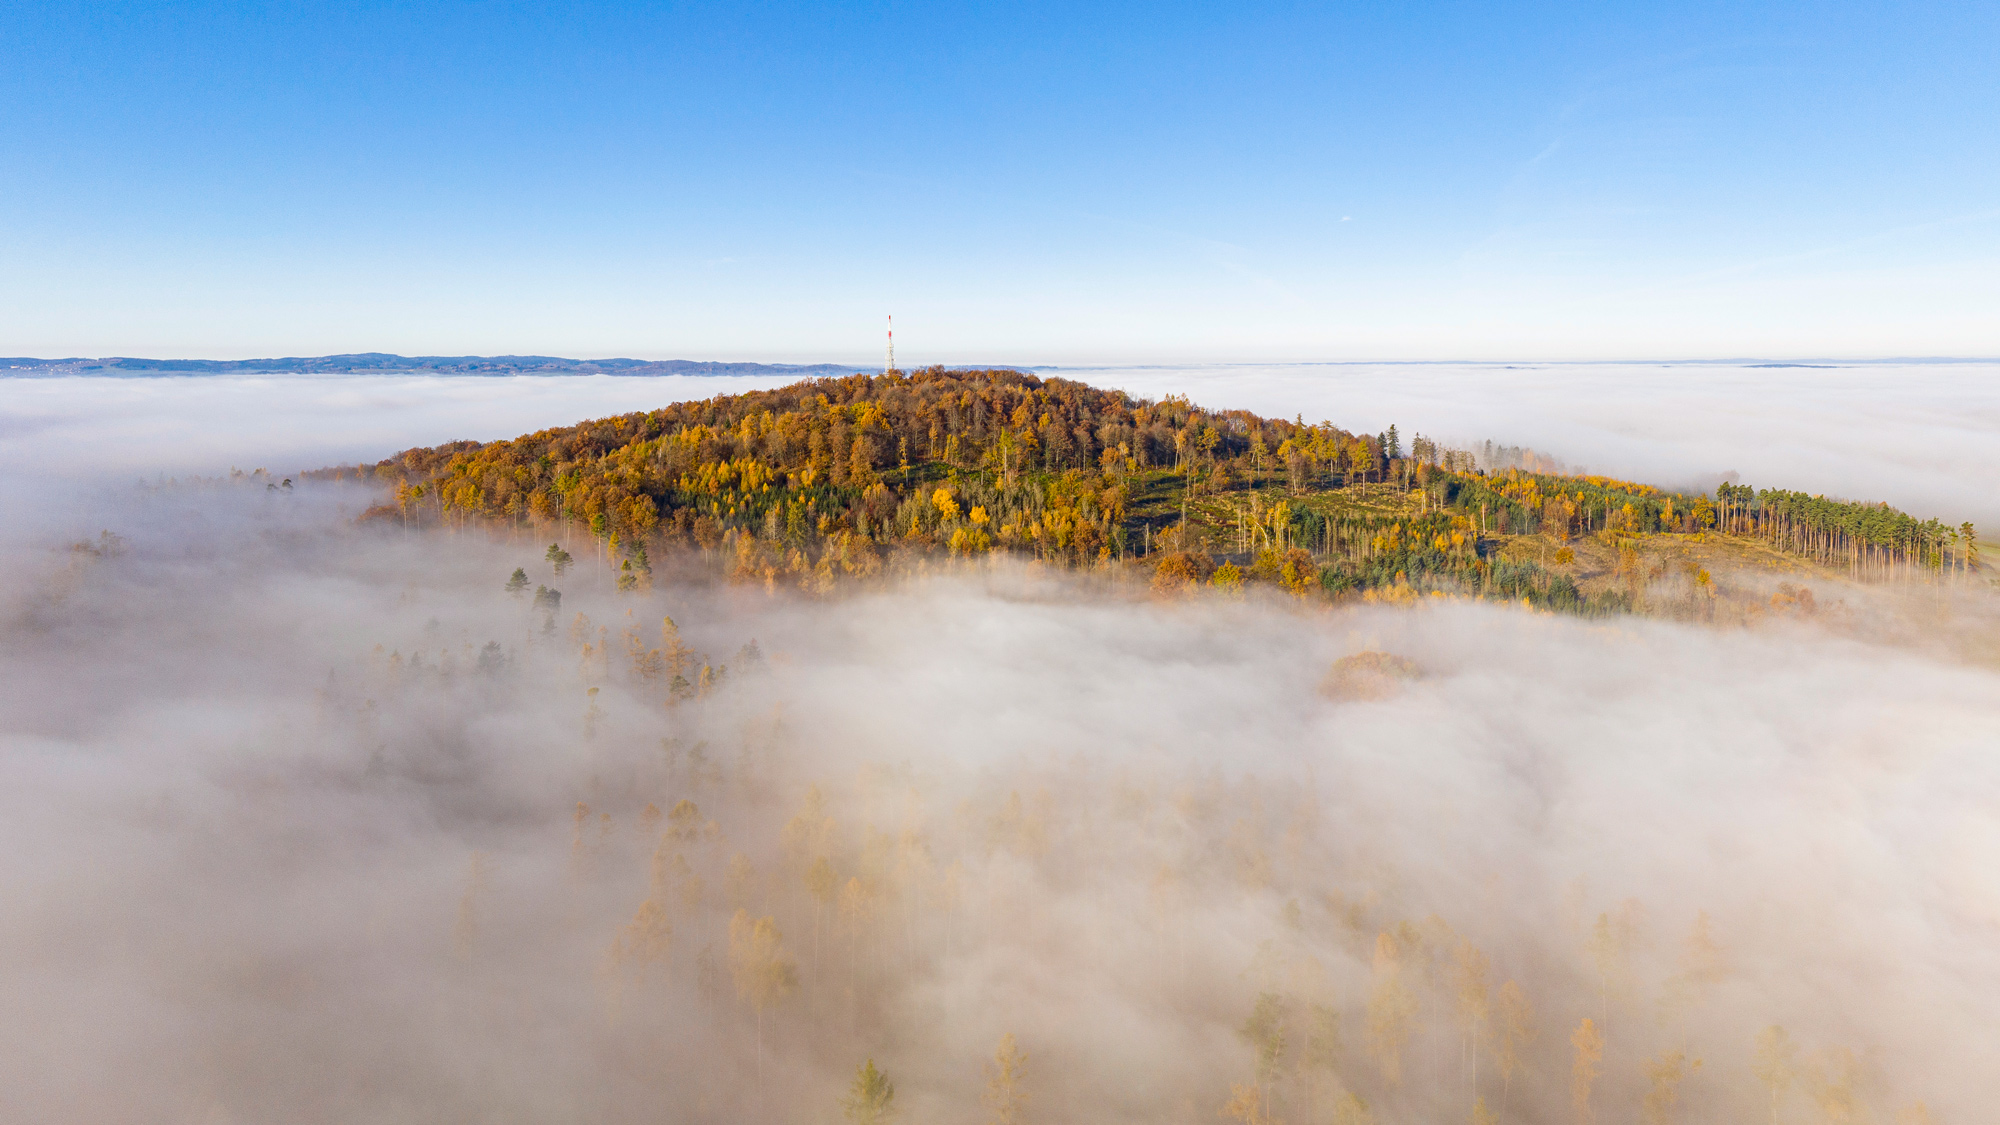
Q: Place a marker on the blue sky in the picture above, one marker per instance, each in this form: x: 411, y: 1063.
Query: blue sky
x: 1017, y: 183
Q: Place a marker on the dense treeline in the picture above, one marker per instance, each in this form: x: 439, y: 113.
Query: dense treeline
x: 831, y: 478
x: 1871, y: 540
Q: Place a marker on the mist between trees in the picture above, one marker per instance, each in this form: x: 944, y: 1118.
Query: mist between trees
x: 309, y: 823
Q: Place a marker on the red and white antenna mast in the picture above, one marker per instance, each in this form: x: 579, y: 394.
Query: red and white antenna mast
x: 891, y: 364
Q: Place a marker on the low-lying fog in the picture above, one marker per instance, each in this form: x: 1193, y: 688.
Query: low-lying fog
x: 309, y: 823
x: 1924, y: 437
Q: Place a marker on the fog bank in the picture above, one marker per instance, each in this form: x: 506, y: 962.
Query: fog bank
x: 310, y: 823
x: 1924, y: 437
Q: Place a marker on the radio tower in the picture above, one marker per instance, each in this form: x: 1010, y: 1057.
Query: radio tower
x: 890, y: 366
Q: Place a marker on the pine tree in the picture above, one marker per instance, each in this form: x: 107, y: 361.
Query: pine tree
x: 1005, y: 1094
x: 871, y: 1097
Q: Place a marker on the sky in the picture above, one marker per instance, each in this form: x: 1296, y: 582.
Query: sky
x: 1022, y: 183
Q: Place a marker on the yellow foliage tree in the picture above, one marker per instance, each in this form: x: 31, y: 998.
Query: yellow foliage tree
x: 1351, y: 1109
x: 764, y: 973
x: 810, y: 833
x: 871, y: 1097
x: 1832, y: 1080
x: 1005, y: 1092
x: 1583, y: 1071
x: 1391, y: 1012
x: 1666, y: 1074
x: 1245, y: 1104
x: 1517, y: 1030
x: 644, y: 942
x: 1469, y: 979
x: 1775, y: 1064
x: 822, y: 883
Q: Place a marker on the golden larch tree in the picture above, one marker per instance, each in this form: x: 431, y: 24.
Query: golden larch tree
x: 1006, y: 1090
x: 822, y: 884
x: 1583, y: 1071
x: 1833, y: 1080
x: 1603, y: 956
x: 742, y: 877
x: 643, y: 943
x: 1775, y: 1064
x: 764, y: 973
x: 1699, y: 968
x: 808, y: 835
x: 857, y: 903
x: 684, y: 820
x: 1245, y: 1104
x: 1666, y: 1074
x: 1391, y: 1011
x: 1516, y: 1031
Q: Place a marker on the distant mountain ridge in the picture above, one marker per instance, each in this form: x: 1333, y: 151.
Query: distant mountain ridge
x: 382, y: 363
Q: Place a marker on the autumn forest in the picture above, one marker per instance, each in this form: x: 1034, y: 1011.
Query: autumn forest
x: 735, y: 870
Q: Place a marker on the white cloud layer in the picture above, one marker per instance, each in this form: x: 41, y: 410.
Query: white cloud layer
x: 239, y: 837
x: 1924, y: 437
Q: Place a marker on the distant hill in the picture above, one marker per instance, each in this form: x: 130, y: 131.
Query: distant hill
x: 832, y: 478
x: 382, y: 362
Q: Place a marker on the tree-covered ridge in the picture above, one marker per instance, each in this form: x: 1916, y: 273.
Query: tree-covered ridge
x: 837, y: 477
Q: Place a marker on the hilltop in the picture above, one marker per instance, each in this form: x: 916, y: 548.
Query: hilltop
x: 831, y: 480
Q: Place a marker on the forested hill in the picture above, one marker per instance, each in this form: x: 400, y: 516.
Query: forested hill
x: 384, y: 363
x: 831, y: 479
